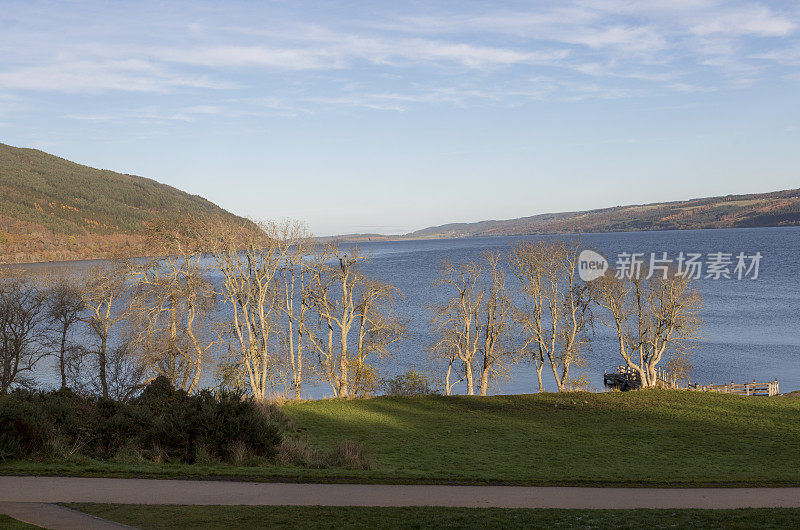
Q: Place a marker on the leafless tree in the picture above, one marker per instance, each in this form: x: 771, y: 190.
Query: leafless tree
x: 249, y: 261
x: 297, y: 247
x: 105, y: 298
x: 65, y: 305
x: 22, y: 312
x: 172, y: 304
x: 456, y: 323
x: 379, y: 327
x: 556, y: 313
x: 171, y: 319
x: 499, y: 348
x: 346, y: 301
x: 655, y: 318
x: 475, y: 327
x: 125, y: 373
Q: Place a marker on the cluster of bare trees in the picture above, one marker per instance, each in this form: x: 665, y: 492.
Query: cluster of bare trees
x: 258, y: 308
x: 265, y: 309
x: 39, y: 314
x: 547, y: 317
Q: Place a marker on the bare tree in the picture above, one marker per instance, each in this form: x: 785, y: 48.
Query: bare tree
x: 104, y: 296
x: 456, y: 323
x: 22, y: 309
x: 654, y: 318
x: 125, y: 373
x: 65, y: 307
x: 556, y: 313
x: 475, y: 328
x: 171, y: 317
x: 297, y: 247
x: 172, y: 306
x: 249, y: 261
x: 498, y: 349
x: 379, y: 327
x: 346, y: 301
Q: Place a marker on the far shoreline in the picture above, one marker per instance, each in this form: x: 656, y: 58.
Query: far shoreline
x: 345, y: 239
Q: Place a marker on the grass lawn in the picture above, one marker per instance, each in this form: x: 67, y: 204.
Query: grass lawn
x: 9, y: 523
x: 634, y: 438
x: 159, y: 516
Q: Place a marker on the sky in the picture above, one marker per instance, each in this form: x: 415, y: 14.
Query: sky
x: 386, y: 117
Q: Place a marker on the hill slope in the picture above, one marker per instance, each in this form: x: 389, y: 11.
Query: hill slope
x: 51, y: 208
x: 780, y: 208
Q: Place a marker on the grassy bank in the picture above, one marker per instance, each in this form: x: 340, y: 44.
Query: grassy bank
x: 635, y: 438
x: 9, y: 523
x: 431, y: 517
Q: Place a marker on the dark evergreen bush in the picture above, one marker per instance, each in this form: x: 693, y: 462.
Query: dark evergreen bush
x: 161, y: 424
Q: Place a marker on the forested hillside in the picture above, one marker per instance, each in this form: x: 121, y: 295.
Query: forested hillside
x: 51, y: 208
x: 779, y: 208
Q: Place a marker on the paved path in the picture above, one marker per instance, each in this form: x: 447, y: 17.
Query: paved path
x: 150, y: 491
x: 52, y: 516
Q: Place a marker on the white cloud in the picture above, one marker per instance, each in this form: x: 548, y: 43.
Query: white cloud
x: 88, y: 76
x: 787, y: 56
x: 249, y: 56
x: 342, y: 50
x: 757, y: 20
x: 184, y: 114
x: 622, y: 45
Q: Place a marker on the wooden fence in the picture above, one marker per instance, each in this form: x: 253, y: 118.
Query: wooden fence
x: 625, y: 378
x: 770, y: 388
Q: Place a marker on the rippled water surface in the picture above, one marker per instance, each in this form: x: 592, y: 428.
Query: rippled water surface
x: 751, y: 327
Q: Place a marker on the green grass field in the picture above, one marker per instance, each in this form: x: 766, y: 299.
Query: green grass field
x: 674, y: 438
x: 144, y: 516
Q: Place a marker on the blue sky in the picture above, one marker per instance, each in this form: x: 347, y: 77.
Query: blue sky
x: 388, y: 117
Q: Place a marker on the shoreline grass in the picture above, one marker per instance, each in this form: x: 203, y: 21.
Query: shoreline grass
x: 647, y: 439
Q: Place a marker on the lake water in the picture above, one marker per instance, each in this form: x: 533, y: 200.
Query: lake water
x: 751, y: 327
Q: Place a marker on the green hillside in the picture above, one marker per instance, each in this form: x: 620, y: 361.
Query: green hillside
x: 54, y: 209
x: 69, y: 198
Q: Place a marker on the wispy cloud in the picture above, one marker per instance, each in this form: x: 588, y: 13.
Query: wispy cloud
x: 183, y: 114
x: 611, y: 48
x: 756, y: 20
x: 93, y: 76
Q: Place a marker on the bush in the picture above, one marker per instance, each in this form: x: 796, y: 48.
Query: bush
x: 347, y: 454
x: 410, y: 383
x: 350, y: 454
x: 162, y: 424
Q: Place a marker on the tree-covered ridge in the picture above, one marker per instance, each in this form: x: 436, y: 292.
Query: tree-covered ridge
x: 71, y: 198
x: 54, y: 209
x: 779, y: 208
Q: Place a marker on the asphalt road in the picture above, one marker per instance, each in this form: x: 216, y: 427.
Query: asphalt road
x: 152, y: 491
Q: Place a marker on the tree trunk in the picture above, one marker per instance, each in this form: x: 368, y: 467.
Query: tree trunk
x: 470, y: 382
x: 298, y: 371
x: 102, y: 362
x: 539, y: 369
x: 62, y: 360
x: 484, y: 381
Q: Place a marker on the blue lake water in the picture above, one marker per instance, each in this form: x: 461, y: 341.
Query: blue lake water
x: 751, y: 327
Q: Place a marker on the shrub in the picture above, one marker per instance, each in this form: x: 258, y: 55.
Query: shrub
x: 162, y: 424
x: 409, y: 383
x: 350, y: 454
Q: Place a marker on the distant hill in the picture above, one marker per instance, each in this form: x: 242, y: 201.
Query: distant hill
x: 53, y: 209
x: 780, y: 208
